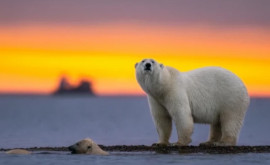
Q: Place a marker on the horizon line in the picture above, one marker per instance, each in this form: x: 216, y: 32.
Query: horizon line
x: 95, y: 95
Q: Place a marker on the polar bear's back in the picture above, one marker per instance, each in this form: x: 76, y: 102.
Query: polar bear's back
x: 211, y: 77
x: 214, y: 89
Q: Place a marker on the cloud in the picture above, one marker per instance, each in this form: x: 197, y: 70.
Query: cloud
x: 209, y: 12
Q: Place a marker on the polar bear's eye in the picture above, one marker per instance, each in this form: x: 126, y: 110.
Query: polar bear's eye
x: 89, y: 147
x: 152, y: 61
x: 143, y: 61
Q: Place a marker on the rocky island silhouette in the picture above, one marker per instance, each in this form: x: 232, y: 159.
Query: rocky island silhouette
x: 65, y: 88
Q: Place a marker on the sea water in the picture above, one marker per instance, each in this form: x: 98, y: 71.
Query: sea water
x: 54, y: 121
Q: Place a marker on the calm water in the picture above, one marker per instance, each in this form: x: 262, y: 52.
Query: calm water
x: 28, y: 121
x: 135, y: 159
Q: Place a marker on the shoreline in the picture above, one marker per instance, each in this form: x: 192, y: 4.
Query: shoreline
x: 167, y: 149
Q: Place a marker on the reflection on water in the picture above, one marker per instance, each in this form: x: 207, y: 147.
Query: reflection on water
x: 136, y: 159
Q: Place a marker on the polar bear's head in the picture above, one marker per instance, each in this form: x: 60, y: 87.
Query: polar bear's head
x: 86, y: 146
x: 148, y: 67
x: 148, y: 74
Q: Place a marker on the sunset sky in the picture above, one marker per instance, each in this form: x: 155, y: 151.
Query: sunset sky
x: 101, y: 40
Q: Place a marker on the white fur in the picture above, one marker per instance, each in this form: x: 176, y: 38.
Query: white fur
x: 210, y: 95
x: 18, y: 152
x: 87, y: 146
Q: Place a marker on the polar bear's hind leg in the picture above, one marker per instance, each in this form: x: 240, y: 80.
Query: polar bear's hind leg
x: 231, y: 124
x: 215, y: 135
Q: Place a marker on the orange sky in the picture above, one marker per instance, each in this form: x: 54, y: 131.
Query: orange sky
x: 33, y: 57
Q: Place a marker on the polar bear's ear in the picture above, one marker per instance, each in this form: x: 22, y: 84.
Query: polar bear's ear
x: 136, y: 65
x: 161, y: 66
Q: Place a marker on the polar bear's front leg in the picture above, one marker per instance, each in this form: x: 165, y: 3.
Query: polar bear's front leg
x: 183, y: 120
x: 162, y: 120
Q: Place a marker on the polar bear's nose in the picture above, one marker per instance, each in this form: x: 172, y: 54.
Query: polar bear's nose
x: 147, y: 65
x: 71, y: 148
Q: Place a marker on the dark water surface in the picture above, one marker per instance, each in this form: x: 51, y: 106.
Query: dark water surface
x: 29, y: 121
x: 136, y: 159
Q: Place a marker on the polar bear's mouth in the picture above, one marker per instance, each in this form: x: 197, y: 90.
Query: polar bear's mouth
x: 148, y: 69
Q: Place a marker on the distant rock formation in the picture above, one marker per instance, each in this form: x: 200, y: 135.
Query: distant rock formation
x: 65, y: 88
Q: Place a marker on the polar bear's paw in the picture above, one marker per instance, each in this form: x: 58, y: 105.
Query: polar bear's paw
x: 162, y: 144
x: 220, y: 143
x: 223, y: 144
x: 178, y: 144
x: 208, y: 143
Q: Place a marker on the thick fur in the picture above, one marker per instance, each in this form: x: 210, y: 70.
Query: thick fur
x: 210, y: 95
x: 18, y: 152
x: 87, y: 146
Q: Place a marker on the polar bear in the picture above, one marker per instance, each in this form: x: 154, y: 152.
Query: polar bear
x: 210, y: 95
x: 18, y: 152
x: 87, y: 146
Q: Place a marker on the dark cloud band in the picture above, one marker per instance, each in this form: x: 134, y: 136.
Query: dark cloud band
x: 221, y: 12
